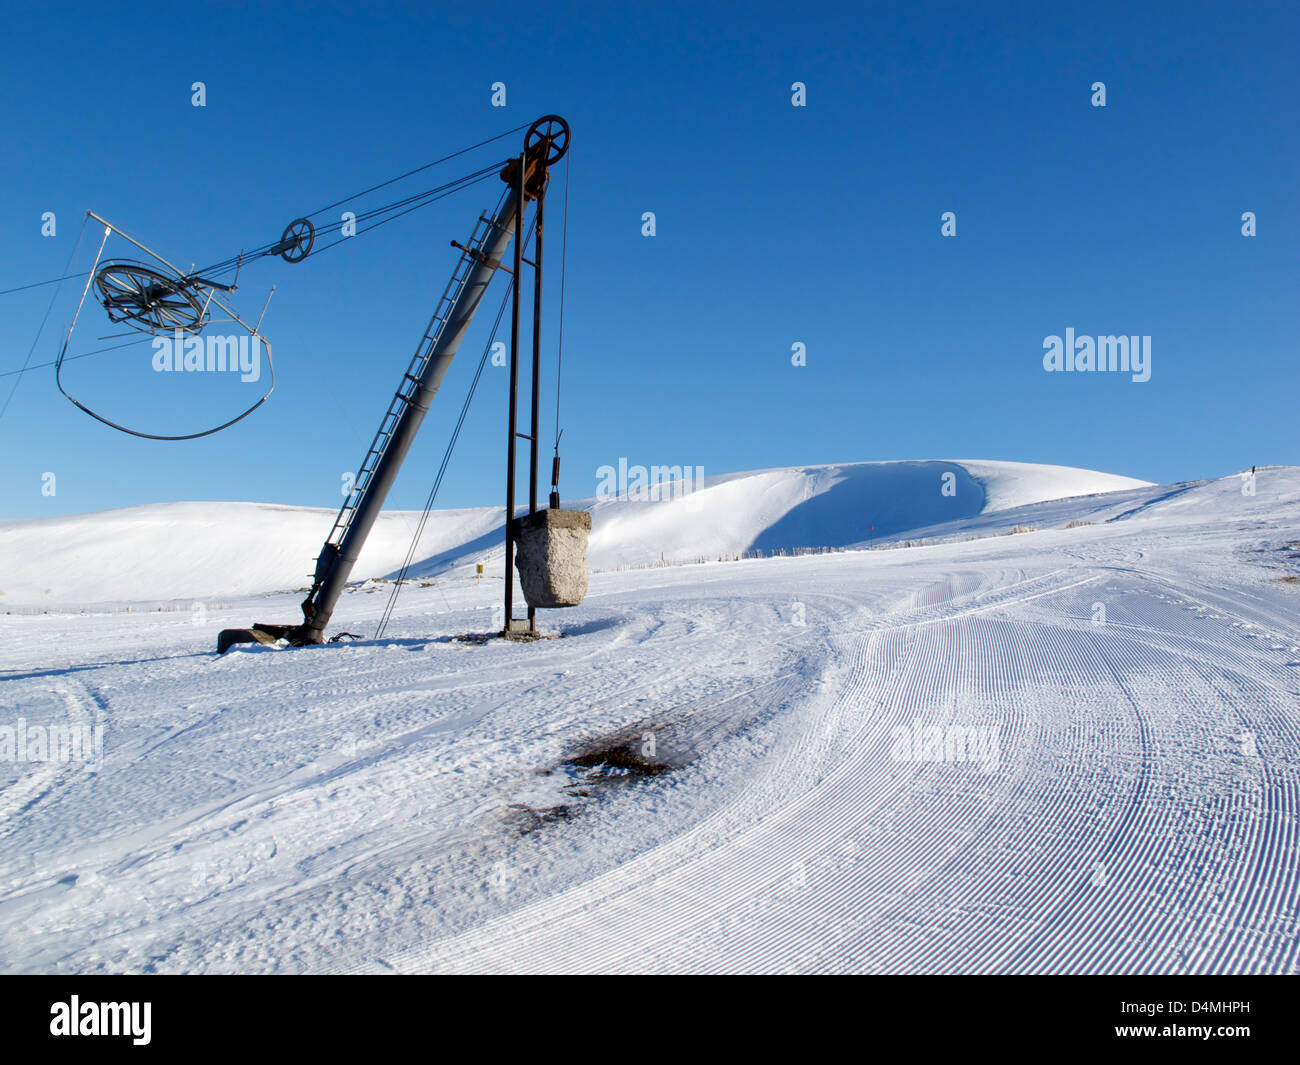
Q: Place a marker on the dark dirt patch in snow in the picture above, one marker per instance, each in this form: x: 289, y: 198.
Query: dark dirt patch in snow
x: 523, y: 819
x: 597, y: 770
x: 622, y: 760
x: 604, y: 766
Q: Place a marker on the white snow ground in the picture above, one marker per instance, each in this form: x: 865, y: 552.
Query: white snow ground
x: 1114, y: 785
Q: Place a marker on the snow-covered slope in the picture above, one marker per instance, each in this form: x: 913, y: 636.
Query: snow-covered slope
x: 1075, y: 749
x: 221, y: 550
x: 198, y: 550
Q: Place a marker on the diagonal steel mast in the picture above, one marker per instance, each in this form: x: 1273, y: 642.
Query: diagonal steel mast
x: 480, y: 259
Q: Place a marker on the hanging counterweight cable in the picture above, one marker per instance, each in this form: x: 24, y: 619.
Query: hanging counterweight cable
x: 564, y: 253
x: 559, y: 357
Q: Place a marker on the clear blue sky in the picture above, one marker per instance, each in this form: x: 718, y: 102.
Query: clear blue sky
x: 776, y: 224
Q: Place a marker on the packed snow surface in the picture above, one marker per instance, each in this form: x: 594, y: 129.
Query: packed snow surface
x: 1071, y: 749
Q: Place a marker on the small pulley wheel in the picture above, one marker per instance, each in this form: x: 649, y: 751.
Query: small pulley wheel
x: 296, y: 243
x: 551, y: 132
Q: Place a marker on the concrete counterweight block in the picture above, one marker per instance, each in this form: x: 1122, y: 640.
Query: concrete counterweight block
x: 551, y: 556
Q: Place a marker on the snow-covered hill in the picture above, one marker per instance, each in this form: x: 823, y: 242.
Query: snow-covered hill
x: 221, y: 550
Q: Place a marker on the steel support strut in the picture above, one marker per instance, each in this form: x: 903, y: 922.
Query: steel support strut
x: 536, y: 190
x: 512, y: 419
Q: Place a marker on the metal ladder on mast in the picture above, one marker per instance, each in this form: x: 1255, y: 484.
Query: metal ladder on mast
x: 470, y: 253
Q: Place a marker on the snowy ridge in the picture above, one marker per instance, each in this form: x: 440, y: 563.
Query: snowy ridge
x: 201, y: 550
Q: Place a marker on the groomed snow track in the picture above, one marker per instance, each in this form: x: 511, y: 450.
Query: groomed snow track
x: 1122, y: 830
x: 1131, y: 805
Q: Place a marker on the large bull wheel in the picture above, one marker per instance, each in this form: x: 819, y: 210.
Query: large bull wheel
x: 146, y: 299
